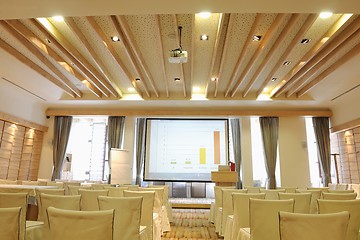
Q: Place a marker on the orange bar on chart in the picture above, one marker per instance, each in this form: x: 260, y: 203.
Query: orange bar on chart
x: 202, y: 155
x: 216, y: 147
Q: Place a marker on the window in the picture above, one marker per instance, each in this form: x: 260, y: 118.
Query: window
x: 258, y: 159
x: 314, y: 164
x: 86, y: 154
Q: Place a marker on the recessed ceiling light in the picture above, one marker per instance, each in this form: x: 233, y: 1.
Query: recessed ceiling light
x: 324, y: 15
x: 213, y: 79
x: 115, y: 38
x: 266, y: 89
x: 273, y: 79
x: 286, y: 63
x: 58, y: 18
x: 137, y: 79
x: 256, y: 38
x: 305, y: 41
x: 48, y: 40
x: 131, y: 89
x: 177, y: 79
x: 204, y: 14
x: 204, y: 37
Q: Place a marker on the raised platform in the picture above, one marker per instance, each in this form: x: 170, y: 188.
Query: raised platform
x: 194, y: 203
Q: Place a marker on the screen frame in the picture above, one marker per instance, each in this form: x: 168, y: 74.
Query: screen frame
x: 227, y: 126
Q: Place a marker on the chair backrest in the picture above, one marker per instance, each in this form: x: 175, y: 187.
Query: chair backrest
x: 341, y: 191
x: 288, y: 189
x: 241, y: 210
x: 323, y: 189
x: 58, y: 191
x: 352, y: 206
x: 74, y: 189
x: 74, y: 225
x: 116, y: 191
x: 302, y: 201
x: 146, y: 208
x: 11, y: 200
x: 228, y: 205
x: 298, y: 226
x: 271, y: 194
x: 339, y: 196
x: 130, y: 187
x: 166, y: 192
x: 356, y: 188
x: 159, y: 192
x: 10, y: 224
x: 252, y: 189
x: 127, y: 215
x: 56, y: 184
x: 100, y: 186
x: 264, y: 224
x: 218, y: 196
x: 315, y: 195
x: 89, y: 199
x: 58, y: 201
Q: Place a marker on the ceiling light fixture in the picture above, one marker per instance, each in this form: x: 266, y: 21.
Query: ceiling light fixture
x: 131, y: 89
x: 273, y: 79
x: 177, y: 79
x: 48, y: 40
x: 305, y: 41
x: 115, y: 38
x: 204, y: 14
x: 286, y: 63
x: 324, y: 15
x: 58, y: 18
x: 137, y: 79
x: 256, y: 38
x: 204, y: 37
x: 213, y: 79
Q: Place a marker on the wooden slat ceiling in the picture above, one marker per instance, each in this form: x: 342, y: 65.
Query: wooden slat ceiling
x: 78, y: 56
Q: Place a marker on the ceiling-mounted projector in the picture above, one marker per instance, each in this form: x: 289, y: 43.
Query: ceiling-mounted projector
x: 178, y: 56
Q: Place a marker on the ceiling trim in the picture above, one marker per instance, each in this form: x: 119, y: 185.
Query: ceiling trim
x: 190, y: 112
x: 345, y: 126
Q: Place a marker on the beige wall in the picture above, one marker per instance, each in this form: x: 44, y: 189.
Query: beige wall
x: 46, y: 164
x: 294, y: 162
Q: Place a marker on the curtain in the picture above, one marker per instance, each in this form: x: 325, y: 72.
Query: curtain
x: 269, y: 131
x: 116, y: 126
x: 62, y: 126
x: 236, y: 141
x: 140, y: 147
x: 322, y: 135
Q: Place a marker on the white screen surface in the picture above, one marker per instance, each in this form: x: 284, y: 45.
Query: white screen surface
x: 185, y: 149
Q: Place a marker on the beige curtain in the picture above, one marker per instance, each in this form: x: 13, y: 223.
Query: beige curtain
x: 236, y: 141
x: 140, y: 147
x: 62, y: 126
x: 322, y: 135
x: 116, y: 126
x: 269, y: 131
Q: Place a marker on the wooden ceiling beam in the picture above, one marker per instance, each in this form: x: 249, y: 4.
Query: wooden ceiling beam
x: 352, y: 53
x: 16, y: 24
x: 161, y: 47
x: 316, y: 70
x: 325, y: 55
x: 268, y: 35
x: 279, y: 41
x: 28, y: 62
x: 177, y: 38
x: 37, y: 53
x: 218, y: 53
x: 311, y: 55
x: 243, y: 53
x: 70, y: 22
x: 115, y: 56
x: 300, y: 34
x: 131, y: 44
x: 73, y: 59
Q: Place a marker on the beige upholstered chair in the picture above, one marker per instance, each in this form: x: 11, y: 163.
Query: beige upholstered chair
x: 288, y: 189
x: 75, y: 225
x: 227, y: 208
x: 116, y: 191
x: 341, y: 191
x: 130, y: 187
x: 264, y: 224
x: 11, y: 200
x: 323, y: 189
x: 74, y: 190
x: 339, y: 196
x: 338, y: 186
x: 298, y: 226
x: 352, y: 206
x: 147, y: 217
x: 58, y: 201
x: 127, y: 215
x: 241, y: 213
x: 272, y: 194
x: 218, y: 206
x: 315, y: 195
x: 56, y: 184
x: 302, y: 201
x: 89, y: 199
x: 252, y: 189
x: 59, y: 191
x: 166, y: 202
x: 100, y: 186
x: 10, y: 224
